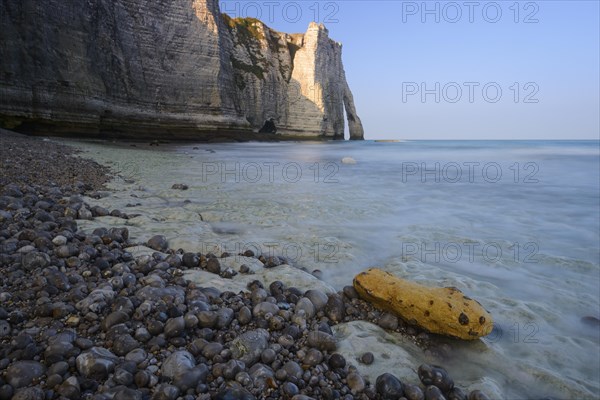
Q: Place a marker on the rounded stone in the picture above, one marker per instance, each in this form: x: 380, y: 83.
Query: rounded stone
x: 389, y: 387
x: 478, y: 395
x: 207, y: 319
x: 367, y: 358
x: 224, y: 317
x: 142, y: 378
x: 211, y: 350
x: 96, y: 363
x: 6, y: 392
x: 136, y: 356
x: 177, y: 363
x: 166, y: 392
x: 313, y: 357
x: 290, y: 389
x: 292, y: 368
x: 249, y: 346
x: 244, y: 316
x: 23, y: 373
x: 307, y: 306
x: 414, y: 392
x: 317, y: 298
x: 123, y: 377
x: 433, y: 393
x: 213, y: 265
x: 335, y: 309
x: 174, y: 327
x: 123, y: 344
x: 155, y: 327
x: 158, y: 243
x: 436, y: 376
x: 59, y: 240
x: 114, y: 318
x: 232, y: 368
x: 263, y: 308
x: 388, y: 321
x: 337, y: 361
x: 356, y: 382
x: 268, y: 356
x: 190, y: 260
x: 59, y: 368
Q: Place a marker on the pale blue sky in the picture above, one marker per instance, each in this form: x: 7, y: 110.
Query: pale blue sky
x: 395, y: 49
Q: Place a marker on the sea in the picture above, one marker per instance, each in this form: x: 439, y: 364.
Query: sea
x: 513, y: 224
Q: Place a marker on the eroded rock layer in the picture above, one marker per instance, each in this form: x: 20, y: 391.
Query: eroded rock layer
x: 140, y: 68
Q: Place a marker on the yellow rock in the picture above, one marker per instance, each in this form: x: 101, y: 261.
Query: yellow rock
x: 444, y: 311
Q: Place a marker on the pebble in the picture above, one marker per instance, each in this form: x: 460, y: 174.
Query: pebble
x: 212, y: 349
x: 179, y: 186
x: 123, y: 344
x: 433, y: 393
x: 158, y: 243
x: 191, y: 378
x: 224, y: 317
x: 213, y: 265
x: 414, y: 392
x: 335, y: 308
x: 207, y: 319
x: 263, y: 308
x: 306, y: 306
x: 313, y: 357
x: 478, y: 395
x: 355, y: 382
x: 436, y: 376
x: 114, y: 318
x: 367, y: 358
x: 174, y: 327
x: 318, y: 298
x: 289, y: 389
x: 166, y: 392
x: 249, y: 346
x: 23, y: 373
x: 268, y: 356
x: 244, y: 315
x: 177, y: 363
x: 96, y: 363
x: 136, y: 356
x: 388, y: 321
x: 190, y: 260
x: 389, y: 387
x: 337, y: 361
x: 292, y: 368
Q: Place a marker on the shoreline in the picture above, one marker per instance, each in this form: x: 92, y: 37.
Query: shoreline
x: 217, y: 136
x: 81, y: 315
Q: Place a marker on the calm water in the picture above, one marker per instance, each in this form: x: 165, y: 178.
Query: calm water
x: 514, y: 224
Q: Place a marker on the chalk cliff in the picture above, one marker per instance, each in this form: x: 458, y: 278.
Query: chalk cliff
x: 180, y: 68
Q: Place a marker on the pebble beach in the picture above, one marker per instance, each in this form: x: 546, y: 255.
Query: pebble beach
x: 89, y: 315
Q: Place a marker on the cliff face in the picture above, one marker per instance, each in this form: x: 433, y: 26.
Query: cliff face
x: 164, y: 69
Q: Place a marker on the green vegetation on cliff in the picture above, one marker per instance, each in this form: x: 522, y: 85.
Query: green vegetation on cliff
x: 250, y: 33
